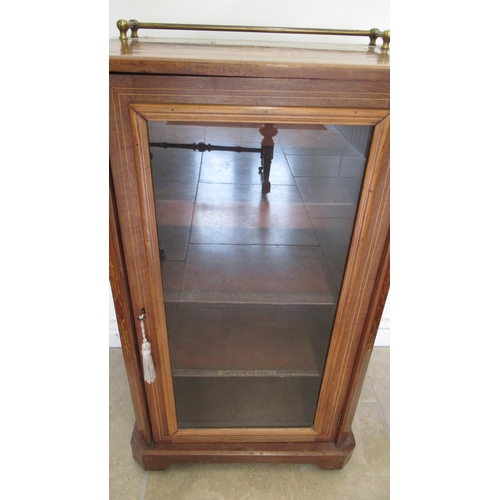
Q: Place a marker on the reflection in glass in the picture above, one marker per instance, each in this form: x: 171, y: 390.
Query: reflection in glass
x: 254, y: 224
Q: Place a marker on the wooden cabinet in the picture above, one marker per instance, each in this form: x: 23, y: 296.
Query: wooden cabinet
x: 249, y: 244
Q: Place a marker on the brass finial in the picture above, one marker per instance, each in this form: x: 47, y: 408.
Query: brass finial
x: 123, y: 26
x: 374, y: 33
x: 386, y: 38
x: 134, y: 27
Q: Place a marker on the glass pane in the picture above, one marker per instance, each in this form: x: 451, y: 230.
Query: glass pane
x: 254, y: 225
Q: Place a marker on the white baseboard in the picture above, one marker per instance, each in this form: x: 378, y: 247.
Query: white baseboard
x: 114, y: 334
x: 382, y: 339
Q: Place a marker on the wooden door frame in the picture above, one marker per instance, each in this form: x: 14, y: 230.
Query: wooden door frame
x: 361, y: 295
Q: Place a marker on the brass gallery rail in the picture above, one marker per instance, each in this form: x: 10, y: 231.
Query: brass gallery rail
x: 134, y: 26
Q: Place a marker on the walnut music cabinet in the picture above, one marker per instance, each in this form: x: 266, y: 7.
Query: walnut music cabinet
x: 249, y: 240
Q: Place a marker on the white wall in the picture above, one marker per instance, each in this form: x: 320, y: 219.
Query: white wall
x: 333, y: 14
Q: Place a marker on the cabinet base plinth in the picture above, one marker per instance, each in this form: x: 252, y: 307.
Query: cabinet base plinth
x: 161, y: 456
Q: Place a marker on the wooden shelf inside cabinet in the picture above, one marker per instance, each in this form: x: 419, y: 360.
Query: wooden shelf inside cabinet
x: 249, y: 341
x: 256, y: 276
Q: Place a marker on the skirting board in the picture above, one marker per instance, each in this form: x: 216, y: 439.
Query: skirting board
x: 383, y: 338
x: 114, y: 334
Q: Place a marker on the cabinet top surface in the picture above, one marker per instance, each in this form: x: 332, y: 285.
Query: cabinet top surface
x: 242, y: 58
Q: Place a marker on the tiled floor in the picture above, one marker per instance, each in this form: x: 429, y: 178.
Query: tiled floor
x: 366, y: 475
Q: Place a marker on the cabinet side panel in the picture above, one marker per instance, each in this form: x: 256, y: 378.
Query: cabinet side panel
x: 366, y: 345
x: 121, y: 299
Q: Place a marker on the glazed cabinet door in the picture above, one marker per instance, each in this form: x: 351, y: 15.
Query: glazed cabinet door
x: 255, y: 241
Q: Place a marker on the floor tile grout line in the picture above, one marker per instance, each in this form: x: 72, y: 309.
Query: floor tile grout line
x: 379, y: 407
x: 145, y: 485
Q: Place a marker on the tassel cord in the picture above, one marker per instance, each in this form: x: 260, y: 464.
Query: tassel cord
x: 147, y: 359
